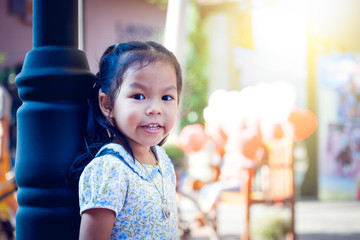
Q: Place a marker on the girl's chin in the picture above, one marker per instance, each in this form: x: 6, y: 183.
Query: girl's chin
x: 147, y: 144
x: 153, y: 141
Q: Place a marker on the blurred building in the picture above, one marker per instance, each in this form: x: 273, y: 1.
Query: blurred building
x: 314, y: 45
x: 101, y: 24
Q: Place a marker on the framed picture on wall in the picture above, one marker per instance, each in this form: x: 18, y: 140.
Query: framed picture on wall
x: 339, y: 126
x: 340, y: 168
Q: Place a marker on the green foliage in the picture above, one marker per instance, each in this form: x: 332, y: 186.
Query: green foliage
x: 176, y: 155
x: 2, y: 57
x: 271, y: 228
x: 196, y: 72
x: 161, y: 3
x: 2, y: 74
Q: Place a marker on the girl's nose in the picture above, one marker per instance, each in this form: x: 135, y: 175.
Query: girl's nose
x: 154, y: 108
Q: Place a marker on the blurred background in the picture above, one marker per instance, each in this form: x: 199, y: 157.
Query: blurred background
x: 288, y: 68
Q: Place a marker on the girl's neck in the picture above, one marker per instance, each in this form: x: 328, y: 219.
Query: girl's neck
x: 144, y: 155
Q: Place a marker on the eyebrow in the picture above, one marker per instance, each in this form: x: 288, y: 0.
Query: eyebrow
x: 137, y: 85
x: 140, y: 86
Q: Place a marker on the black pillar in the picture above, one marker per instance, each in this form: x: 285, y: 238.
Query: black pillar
x: 53, y: 86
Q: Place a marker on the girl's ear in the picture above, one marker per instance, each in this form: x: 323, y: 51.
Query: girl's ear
x: 104, y: 103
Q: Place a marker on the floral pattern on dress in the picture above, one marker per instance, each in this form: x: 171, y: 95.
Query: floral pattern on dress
x: 122, y: 185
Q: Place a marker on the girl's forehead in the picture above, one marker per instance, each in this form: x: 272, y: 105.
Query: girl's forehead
x: 136, y: 66
x: 153, y: 75
x: 145, y: 67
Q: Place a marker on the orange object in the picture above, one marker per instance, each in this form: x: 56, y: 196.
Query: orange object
x: 304, y: 122
x: 192, y: 138
x: 251, y: 142
x: 278, y: 131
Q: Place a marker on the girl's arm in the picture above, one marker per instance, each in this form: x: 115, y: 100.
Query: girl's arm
x: 96, y: 224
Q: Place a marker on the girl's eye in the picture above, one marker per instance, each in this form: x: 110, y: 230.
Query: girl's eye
x: 167, y: 98
x: 138, y: 97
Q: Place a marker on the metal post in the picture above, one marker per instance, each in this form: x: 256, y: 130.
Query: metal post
x: 53, y: 86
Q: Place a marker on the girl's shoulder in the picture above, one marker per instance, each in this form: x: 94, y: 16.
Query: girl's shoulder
x: 114, y: 149
x: 118, y: 150
x: 109, y: 156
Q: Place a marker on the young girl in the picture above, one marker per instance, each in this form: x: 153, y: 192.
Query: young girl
x: 127, y: 189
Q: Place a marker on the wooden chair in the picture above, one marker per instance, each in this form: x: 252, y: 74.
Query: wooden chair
x: 270, y: 181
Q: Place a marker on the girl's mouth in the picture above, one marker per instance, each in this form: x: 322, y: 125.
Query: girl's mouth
x: 152, y: 128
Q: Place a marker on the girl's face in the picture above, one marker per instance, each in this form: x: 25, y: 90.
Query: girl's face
x: 146, y: 106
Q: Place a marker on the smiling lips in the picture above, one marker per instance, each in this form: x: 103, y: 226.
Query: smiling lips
x: 152, y: 128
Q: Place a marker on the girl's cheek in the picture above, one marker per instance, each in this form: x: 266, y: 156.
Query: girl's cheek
x: 172, y: 118
x: 133, y: 117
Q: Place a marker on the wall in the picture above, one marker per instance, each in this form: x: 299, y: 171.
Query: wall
x: 15, y: 36
x: 333, y: 80
x: 111, y: 21
x: 105, y: 22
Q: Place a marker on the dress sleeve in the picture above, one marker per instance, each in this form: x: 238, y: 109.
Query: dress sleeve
x: 103, y: 185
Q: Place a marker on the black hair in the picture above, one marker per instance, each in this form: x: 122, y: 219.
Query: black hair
x: 114, y: 63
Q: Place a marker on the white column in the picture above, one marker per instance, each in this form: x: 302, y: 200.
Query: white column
x: 175, y: 29
x: 81, y: 24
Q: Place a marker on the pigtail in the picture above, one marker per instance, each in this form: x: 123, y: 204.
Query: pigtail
x: 98, y: 130
x: 92, y: 136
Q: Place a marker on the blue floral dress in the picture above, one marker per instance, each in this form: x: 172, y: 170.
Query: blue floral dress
x: 115, y: 181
